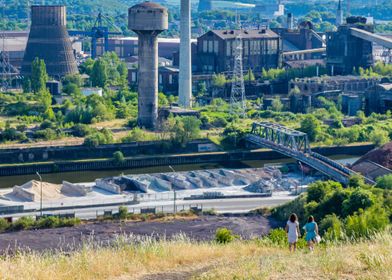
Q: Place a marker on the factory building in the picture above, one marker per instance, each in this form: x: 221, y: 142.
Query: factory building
x: 378, y: 98
x: 346, y: 52
x: 128, y: 46
x: 353, y: 84
x: 301, y: 38
x: 215, y: 50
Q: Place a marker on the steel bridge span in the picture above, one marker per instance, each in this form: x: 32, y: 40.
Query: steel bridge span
x: 295, y: 144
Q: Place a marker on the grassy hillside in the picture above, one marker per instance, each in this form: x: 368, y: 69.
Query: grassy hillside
x: 184, y: 259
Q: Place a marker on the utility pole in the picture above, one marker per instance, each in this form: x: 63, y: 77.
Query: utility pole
x: 174, y: 194
x: 40, y: 179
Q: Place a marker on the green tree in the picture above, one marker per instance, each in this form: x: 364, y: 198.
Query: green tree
x: 99, y: 73
x: 249, y: 76
x: 385, y: 182
x: 311, y: 126
x: 276, y: 105
x: 379, y: 137
x: 219, y: 80
x: 118, y: 157
x: 39, y: 76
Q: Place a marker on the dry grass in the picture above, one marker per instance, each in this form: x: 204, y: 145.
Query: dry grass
x: 132, y: 258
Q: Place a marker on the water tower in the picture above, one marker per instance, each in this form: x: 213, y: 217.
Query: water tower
x: 148, y: 20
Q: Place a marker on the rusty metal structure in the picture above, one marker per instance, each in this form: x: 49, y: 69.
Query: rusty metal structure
x: 49, y: 40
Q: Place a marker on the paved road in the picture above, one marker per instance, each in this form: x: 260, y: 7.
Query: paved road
x: 232, y: 205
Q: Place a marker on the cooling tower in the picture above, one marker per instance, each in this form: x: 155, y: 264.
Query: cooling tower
x: 49, y: 40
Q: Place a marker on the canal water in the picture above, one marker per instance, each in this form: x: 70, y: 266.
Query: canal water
x: 90, y: 176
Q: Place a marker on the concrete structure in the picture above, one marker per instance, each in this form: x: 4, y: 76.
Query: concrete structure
x: 378, y: 98
x: 204, y: 5
x: 148, y: 20
x: 351, y: 46
x: 290, y: 21
x: 339, y: 14
x: 185, y: 79
x: 269, y: 9
x: 49, y: 40
x: 167, y: 79
x: 215, y: 50
x: 353, y: 84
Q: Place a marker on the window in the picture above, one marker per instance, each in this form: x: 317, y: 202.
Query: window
x: 228, y: 48
x: 160, y: 79
x: 170, y: 79
x: 246, y: 47
x: 205, y: 46
x: 133, y: 76
x: 216, y: 46
x: 210, y: 46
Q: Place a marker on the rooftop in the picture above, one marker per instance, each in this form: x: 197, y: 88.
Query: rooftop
x: 246, y: 34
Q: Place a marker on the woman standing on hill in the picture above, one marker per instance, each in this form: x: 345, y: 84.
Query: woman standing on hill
x: 292, y: 229
x: 312, y: 235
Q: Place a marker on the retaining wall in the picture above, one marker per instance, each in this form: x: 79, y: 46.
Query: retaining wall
x: 165, y: 160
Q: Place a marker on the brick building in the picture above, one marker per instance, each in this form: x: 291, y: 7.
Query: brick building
x: 215, y: 50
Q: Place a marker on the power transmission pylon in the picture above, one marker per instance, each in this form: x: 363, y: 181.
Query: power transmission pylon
x: 237, y: 98
x: 4, y: 58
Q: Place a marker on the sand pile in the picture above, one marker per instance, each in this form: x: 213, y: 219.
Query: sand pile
x: 31, y: 191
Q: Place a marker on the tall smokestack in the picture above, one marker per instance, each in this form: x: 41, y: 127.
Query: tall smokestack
x: 290, y: 21
x: 49, y: 40
x: 185, y: 75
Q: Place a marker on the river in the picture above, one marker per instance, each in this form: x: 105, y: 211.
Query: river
x: 90, y: 176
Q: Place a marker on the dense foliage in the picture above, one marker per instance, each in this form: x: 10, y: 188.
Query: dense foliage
x: 353, y: 212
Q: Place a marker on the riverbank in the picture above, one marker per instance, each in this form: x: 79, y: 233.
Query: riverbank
x: 148, y: 161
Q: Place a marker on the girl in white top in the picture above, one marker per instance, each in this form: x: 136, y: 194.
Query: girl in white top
x: 292, y: 229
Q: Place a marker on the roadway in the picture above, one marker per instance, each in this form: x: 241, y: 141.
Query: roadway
x: 229, y: 205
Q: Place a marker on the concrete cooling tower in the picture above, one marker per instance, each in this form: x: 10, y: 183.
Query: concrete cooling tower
x: 49, y: 40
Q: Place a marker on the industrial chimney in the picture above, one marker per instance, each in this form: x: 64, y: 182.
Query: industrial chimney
x: 185, y: 74
x: 49, y: 40
x: 148, y: 20
x: 290, y: 21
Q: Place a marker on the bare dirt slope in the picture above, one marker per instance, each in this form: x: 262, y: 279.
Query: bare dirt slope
x: 66, y: 239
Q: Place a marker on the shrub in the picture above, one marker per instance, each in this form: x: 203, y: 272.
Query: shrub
x: 331, y: 228
x: 23, y: 223
x: 69, y: 222
x: 277, y: 237
x: 317, y: 191
x: 81, y: 130
x: 4, y: 225
x: 122, y: 212
x: 297, y: 206
x: 359, y: 199
x: 224, y: 236
x: 48, y: 222
x: 385, y: 182
x: 118, y: 157
x: 365, y: 223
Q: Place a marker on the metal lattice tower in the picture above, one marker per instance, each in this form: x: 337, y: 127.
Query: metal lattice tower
x: 4, y: 59
x: 237, y: 98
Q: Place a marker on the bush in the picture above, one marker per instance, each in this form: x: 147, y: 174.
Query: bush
x: 278, y: 237
x: 48, y: 222
x: 331, y: 228
x: 385, y: 182
x: 365, y: 223
x: 318, y: 191
x: 69, y: 222
x: 23, y: 223
x: 359, y: 199
x: 118, y: 158
x: 4, y: 225
x: 122, y: 212
x: 81, y: 130
x: 224, y: 236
